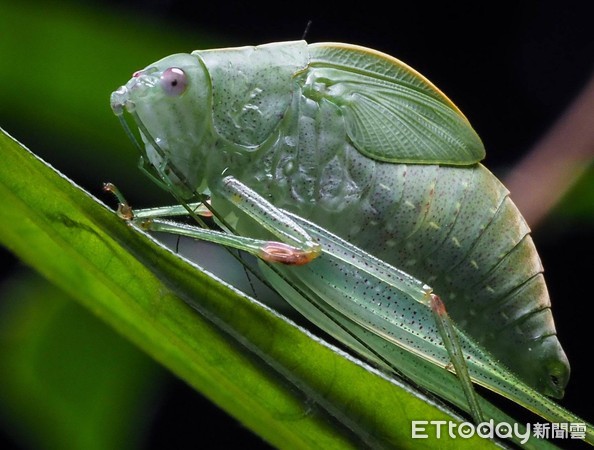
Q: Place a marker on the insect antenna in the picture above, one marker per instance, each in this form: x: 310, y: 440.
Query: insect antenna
x: 247, y: 274
x: 130, y: 134
x: 306, y: 31
x: 177, y: 241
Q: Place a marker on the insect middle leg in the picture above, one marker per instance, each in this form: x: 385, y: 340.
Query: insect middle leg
x: 294, y: 245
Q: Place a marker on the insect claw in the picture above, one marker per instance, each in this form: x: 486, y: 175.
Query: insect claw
x: 146, y: 224
x: 124, y: 210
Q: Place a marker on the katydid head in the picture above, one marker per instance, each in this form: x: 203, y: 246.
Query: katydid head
x: 170, y: 103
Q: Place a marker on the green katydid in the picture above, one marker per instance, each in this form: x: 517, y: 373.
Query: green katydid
x: 358, y: 184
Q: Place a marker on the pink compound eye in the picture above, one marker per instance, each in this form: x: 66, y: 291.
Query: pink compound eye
x: 174, y: 81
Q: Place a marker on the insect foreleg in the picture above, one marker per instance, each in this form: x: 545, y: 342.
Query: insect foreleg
x: 126, y: 212
x: 172, y: 211
x: 301, y: 249
x: 284, y: 253
x: 148, y: 169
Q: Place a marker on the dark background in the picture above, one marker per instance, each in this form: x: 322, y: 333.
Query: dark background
x: 511, y: 67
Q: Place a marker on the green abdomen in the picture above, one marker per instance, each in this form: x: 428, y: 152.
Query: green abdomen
x: 454, y: 228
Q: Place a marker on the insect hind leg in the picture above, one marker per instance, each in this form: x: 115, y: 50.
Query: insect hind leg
x: 452, y: 344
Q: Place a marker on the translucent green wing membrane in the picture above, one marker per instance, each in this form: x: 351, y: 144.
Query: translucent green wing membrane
x: 392, y: 112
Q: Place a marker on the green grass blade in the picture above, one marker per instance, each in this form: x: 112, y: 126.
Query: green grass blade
x: 139, y: 288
